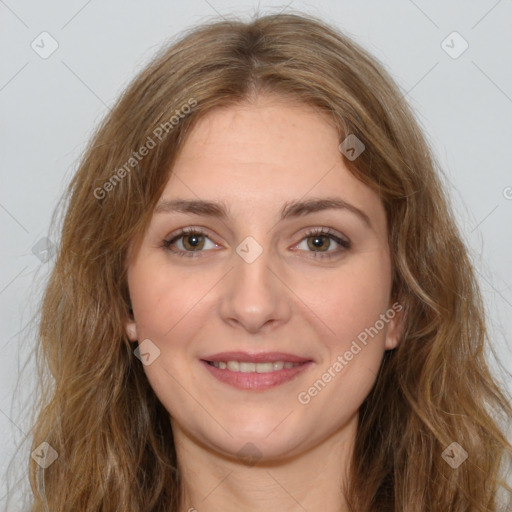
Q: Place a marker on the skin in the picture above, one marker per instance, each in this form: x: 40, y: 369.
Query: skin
x: 255, y: 157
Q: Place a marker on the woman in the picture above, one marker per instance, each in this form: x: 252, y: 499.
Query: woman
x: 261, y: 300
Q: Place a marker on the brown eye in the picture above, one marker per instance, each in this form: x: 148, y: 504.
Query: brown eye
x: 323, y: 243
x: 189, y: 242
x: 193, y: 242
x: 320, y: 242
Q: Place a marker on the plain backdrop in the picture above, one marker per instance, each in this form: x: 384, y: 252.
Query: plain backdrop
x: 460, y: 86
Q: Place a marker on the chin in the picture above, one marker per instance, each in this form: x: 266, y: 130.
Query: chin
x: 260, y: 442
x: 251, y: 451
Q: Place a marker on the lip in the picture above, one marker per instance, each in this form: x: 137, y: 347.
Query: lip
x: 261, y: 357
x: 256, y: 381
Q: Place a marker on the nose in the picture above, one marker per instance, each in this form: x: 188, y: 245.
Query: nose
x: 255, y: 297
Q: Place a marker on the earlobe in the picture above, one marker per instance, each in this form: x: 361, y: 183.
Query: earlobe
x: 131, y: 330
x: 395, y: 326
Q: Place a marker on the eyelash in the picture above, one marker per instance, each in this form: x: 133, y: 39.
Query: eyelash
x: 324, y: 232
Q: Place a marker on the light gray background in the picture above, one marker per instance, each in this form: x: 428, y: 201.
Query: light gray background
x: 50, y: 106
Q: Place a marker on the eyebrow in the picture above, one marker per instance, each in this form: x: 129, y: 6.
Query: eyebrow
x: 291, y: 209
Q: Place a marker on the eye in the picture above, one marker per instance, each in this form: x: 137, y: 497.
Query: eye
x: 322, y: 241
x: 189, y: 241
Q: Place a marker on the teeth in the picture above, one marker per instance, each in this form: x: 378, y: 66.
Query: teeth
x: 245, y: 367
x: 234, y: 366
x: 264, y: 367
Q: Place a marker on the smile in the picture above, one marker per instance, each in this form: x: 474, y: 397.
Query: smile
x: 255, y: 376
x: 246, y: 367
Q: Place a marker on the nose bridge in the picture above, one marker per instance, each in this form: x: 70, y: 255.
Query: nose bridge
x: 252, y: 266
x: 254, y: 296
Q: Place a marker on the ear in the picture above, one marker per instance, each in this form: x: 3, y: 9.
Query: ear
x: 131, y: 328
x: 396, y: 323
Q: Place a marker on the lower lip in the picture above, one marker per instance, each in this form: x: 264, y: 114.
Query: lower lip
x: 256, y: 381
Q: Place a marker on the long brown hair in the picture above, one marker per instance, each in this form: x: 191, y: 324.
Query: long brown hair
x: 98, y: 412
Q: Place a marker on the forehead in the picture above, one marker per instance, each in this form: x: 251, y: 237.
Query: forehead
x: 263, y: 154
x: 271, y: 133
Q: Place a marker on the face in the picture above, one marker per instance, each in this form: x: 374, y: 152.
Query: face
x: 284, y: 265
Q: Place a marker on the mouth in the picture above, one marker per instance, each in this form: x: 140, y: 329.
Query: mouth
x: 257, y: 371
x: 248, y: 367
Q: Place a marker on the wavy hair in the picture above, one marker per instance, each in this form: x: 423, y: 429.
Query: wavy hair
x: 97, y: 410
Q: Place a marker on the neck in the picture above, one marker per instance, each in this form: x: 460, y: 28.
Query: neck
x: 310, y: 480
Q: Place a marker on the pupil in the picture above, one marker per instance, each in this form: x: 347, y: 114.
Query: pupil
x: 193, y: 241
x: 318, y: 242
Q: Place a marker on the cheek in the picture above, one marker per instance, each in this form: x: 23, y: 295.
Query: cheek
x: 350, y: 304
x: 160, y: 298
x: 351, y: 298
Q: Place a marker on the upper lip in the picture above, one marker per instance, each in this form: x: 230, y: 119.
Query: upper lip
x: 261, y: 357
